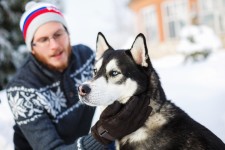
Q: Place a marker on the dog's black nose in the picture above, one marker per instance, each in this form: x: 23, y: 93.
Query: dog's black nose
x: 84, y: 89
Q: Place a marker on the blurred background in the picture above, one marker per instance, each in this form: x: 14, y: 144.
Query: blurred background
x: 185, y: 39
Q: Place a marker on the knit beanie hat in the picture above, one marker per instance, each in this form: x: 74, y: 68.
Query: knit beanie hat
x: 35, y: 15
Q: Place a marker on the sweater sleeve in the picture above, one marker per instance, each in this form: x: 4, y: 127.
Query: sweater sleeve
x: 41, y: 135
x: 31, y: 114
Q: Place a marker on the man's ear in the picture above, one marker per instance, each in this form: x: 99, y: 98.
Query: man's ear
x: 139, y: 51
x: 101, y: 45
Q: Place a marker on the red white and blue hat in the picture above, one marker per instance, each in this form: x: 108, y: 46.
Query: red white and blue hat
x: 35, y: 15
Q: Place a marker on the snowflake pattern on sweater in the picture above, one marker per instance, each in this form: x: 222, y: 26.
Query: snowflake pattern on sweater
x: 27, y: 104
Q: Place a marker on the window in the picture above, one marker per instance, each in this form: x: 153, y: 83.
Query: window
x: 212, y: 14
x: 175, y: 17
x: 150, y: 23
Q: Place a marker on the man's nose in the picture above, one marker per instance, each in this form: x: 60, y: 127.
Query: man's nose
x: 53, y: 43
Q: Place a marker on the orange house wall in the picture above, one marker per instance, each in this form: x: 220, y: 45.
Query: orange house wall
x: 137, y: 5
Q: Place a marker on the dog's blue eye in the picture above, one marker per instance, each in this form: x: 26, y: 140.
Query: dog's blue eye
x: 95, y: 71
x: 113, y: 73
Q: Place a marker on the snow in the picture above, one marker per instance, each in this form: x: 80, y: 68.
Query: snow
x: 6, y: 123
x: 198, y: 38
x: 198, y: 88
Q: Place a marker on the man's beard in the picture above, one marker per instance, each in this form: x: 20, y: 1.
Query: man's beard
x: 60, y: 68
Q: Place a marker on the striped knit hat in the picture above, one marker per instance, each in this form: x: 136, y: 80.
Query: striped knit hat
x: 35, y: 15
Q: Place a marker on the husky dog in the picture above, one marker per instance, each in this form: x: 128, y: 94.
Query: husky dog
x: 120, y: 74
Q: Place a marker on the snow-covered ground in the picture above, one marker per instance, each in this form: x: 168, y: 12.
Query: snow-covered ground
x: 6, y: 124
x: 198, y: 88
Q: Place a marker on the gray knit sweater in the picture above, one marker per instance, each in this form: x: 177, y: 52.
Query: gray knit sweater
x: 47, y: 111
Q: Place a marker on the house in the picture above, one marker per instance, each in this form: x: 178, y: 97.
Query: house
x: 162, y: 20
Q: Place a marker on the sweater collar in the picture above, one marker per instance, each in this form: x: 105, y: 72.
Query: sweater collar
x: 54, y: 74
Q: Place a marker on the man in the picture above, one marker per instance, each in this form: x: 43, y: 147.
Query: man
x: 43, y: 94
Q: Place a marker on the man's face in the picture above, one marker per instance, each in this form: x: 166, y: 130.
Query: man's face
x: 51, y: 46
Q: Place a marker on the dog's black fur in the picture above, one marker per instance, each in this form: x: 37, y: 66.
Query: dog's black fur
x: 168, y: 127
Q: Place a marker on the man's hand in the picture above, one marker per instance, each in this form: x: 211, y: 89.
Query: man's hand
x: 119, y: 120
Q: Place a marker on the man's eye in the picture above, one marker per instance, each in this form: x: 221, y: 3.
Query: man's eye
x: 113, y: 73
x: 43, y: 40
x: 57, y: 35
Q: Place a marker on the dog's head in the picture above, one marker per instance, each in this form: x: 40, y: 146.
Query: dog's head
x: 118, y: 74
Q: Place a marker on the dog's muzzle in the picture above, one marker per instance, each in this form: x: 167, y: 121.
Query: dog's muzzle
x: 84, y: 89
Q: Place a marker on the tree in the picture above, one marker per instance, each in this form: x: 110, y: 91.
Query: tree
x: 11, y: 37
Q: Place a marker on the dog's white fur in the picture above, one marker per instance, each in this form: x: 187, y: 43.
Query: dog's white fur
x: 104, y: 90
x: 103, y: 93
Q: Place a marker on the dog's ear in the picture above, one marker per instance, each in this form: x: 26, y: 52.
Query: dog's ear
x: 101, y: 45
x: 139, y: 51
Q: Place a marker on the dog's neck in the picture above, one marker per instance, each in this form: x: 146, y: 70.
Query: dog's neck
x: 156, y: 93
